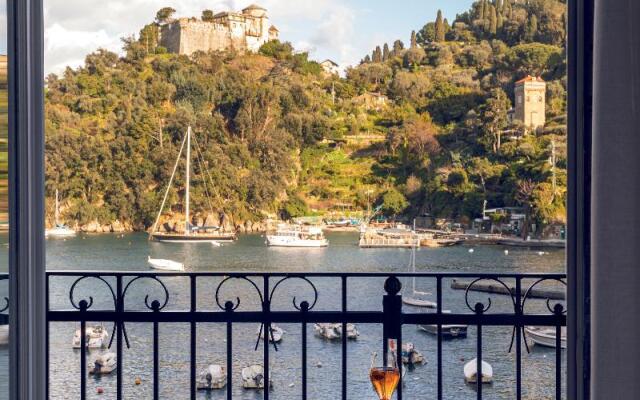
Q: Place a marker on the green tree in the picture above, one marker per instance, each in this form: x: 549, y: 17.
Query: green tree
x: 439, y: 28
x: 385, y: 52
x: 531, y: 29
x: 493, y: 21
x: 393, y: 202
x: 398, y: 46
x: 207, y: 15
x: 164, y: 14
x: 377, y: 55
x: 414, y: 40
x: 427, y: 34
x: 494, y: 117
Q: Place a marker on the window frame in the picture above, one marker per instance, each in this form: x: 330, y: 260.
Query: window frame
x: 28, y: 361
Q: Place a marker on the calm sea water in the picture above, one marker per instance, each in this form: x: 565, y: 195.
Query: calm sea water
x: 129, y: 253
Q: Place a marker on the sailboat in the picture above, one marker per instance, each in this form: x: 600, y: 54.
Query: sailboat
x: 414, y: 299
x: 191, y: 234
x: 60, y: 230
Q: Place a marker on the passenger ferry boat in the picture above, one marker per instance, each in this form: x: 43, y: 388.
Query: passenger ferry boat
x: 297, y: 236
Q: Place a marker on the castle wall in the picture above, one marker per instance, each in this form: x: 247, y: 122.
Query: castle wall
x: 228, y: 30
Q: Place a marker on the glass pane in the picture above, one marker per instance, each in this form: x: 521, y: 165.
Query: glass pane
x: 334, y: 138
x: 4, y: 208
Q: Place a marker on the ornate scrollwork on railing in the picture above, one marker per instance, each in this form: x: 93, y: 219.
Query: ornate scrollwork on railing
x: 480, y: 308
x: 84, y: 305
x: 230, y: 305
x: 304, y: 305
x: 155, y: 305
x: 558, y: 309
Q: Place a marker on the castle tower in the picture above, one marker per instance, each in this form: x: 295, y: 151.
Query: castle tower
x: 530, y: 94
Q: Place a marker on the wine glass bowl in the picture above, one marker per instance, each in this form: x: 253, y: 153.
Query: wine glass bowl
x: 384, y: 381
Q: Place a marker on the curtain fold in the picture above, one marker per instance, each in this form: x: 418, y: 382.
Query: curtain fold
x: 615, y: 228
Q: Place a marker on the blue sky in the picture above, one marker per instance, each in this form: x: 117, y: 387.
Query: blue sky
x: 341, y: 30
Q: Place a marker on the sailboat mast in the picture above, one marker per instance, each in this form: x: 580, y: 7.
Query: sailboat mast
x: 188, y: 182
x: 56, y: 215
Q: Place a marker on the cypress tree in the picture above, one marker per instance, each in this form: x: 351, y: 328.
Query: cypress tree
x: 385, y: 52
x: 493, y: 21
x: 414, y: 41
x: 377, y: 55
x: 367, y: 59
x: 483, y: 10
x: 439, y: 27
x: 398, y: 46
x: 532, y: 29
x: 500, y: 21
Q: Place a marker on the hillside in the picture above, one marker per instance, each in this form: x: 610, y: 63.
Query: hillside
x: 416, y: 129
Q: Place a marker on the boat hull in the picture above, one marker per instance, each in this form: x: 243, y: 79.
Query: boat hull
x: 195, y: 238
x: 284, y: 241
x: 418, y: 302
x: 448, y: 331
x: 546, y: 337
x: 4, y: 335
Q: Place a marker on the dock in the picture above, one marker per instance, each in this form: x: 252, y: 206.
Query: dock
x: 494, y: 287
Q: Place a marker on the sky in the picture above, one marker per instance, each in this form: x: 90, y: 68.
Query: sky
x: 342, y: 30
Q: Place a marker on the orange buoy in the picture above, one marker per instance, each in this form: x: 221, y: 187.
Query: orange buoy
x: 138, y: 381
x: 99, y: 390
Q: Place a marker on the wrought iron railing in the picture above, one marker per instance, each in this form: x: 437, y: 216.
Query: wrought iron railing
x: 266, y: 286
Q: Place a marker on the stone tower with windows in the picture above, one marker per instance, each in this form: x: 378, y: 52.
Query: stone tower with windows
x: 530, y: 97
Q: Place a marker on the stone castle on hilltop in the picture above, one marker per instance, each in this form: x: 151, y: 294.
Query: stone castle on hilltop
x: 243, y: 31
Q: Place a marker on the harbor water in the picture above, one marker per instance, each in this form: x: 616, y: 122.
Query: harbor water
x: 129, y: 252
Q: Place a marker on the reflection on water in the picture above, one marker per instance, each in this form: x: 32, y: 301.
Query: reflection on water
x: 129, y: 252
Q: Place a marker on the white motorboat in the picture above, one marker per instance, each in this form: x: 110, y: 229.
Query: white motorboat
x: 103, y: 364
x: 59, y: 230
x: 471, y: 371
x: 333, y: 331
x: 416, y: 297
x: 165, y: 265
x: 297, y: 236
x: 546, y: 336
x: 4, y: 335
x: 410, y: 355
x: 253, y: 377
x: 96, y: 337
x: 275, y: 336
x: 213, y: 377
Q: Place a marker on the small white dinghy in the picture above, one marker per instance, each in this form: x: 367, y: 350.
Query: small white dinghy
x: 103, y: 364
x: 165, y: 265
x: 410, y: 355
x: 212, y: 378
x: 96, y: 337
x: 275, y: 336
x: 471, y: 371
x: 4, y: 335
x: 546, y: 336
x: 253, y: 377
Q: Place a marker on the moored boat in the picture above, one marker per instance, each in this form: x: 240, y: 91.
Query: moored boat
x: 451, y: 331
x: 546, y: 336
x: 211, y: 378
x: 275, y: 335
x: 60, y: 229
x: 410, y: 355
x: 95, y: 337
x: 103, y: 364
x: 4, y: 335
x: 165, y: 265
x: 296, y: 236
x: 471, y: 371
x: 253, y: 377
x: 333, y: 331
x: 189, y: 233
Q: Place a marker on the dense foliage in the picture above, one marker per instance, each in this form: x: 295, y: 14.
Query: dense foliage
x: 277, y: 135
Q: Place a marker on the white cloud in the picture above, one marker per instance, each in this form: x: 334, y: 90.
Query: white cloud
x: 74, y: 28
